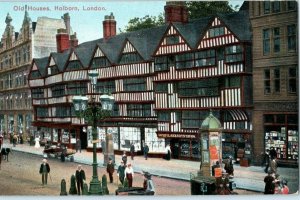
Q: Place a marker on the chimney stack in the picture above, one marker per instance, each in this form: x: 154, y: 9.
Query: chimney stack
x: 109, y: 26
x: 62, y: 40
x: 66, y: 19
x: 73, y: 41
x: 176, y: 11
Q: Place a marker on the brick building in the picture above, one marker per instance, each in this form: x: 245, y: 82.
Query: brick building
x: 35, y: 39
x: 275, y: 71
x: 165, y: 80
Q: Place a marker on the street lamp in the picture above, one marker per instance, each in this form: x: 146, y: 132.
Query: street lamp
x: 92, y: 112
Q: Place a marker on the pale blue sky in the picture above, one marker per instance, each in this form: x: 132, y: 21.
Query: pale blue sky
x: 87, y: 24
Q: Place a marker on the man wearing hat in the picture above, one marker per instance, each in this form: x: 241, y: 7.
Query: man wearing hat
x: 121, y: 172
x: 44, y: 170
x: 110, y: 168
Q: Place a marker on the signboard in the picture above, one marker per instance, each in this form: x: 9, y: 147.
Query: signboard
x: 172, y: 135
x: 218, y: 172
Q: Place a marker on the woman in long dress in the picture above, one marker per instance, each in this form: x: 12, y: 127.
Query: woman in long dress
x: 37, y: 142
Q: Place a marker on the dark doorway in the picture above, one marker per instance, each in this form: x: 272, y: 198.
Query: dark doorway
x: 83, y: 139
x: 174, y: 144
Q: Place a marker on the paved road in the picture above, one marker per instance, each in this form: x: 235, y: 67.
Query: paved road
x: 249, y: 178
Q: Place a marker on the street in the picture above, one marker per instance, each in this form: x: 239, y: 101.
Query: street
x: 20, y: 176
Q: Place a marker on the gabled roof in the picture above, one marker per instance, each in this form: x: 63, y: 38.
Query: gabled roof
x: 85, y: 51
x: 60, y: 59
x: 41, y: 64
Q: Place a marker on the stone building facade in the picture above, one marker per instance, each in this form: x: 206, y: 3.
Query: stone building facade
x: 17, y: 49
x: 275, y: 71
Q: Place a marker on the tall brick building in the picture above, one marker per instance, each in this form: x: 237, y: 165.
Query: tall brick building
x: 34, y: 40
x: 165, y: 80
x: 275, y: 71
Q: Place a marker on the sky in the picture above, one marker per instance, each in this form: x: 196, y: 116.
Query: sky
x: 86, y: 23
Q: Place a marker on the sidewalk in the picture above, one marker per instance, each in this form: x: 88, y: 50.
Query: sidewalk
x: 249, y: 178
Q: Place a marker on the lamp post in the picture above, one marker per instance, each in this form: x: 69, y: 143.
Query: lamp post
x: 92, y: 112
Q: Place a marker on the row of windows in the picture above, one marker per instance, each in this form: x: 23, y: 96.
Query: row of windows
x: 207, y: 87
x: 200, y: 59
x: 276, y: 6
x: 13, y: 81
x: 139, y: 110
x: 22, y: 102
x: 100, y: 62
x: 272, y: 38
x: 273, y: 80
x: 19, y: 57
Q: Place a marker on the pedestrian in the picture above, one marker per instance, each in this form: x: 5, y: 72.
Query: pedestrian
x: 285, y: 188
x: 217, y: 165
x: 124, y: 158
x: 129, y: 174
x: 132, y: 151
x: 266, y: 160
x: 110, y: 168
x: 78, y: 145
x: 273, y: 153
x: 273, y: 165
x: 269, y: 183
x: 121, y: 172
x: 168, y: 152
x: 229, y: 167
x: 80, y: 178
x: 146, y: 150
x: 103, y: 146
x: 44, y: 170
x: 37, y: 142
x: 15, y: 139
x: 277, y: 183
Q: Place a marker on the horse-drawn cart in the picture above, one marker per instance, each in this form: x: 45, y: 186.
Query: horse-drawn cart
x: 59, y: 151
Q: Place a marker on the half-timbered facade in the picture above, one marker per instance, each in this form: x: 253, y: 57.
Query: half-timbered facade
x: 165, y: 80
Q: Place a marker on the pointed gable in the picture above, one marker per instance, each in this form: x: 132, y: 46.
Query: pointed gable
x: 99, y: 59
x: 217, y: 34
x: 73, y: 56
x: 172, y: 42
x: 98, y: 53
x: 52, y: 62
x: 129, y: 54
x: 128, y: 48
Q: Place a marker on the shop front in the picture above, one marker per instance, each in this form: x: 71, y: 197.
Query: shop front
x: 184, y: 146
x: 281, y: 133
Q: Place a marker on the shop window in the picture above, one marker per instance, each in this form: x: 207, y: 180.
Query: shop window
x: 73, y: 136
x: 195, y: 149
x: 115, y: 136
x: 205, y: 58
x: 184, y: 61
x: 267, y: 7
x: 276, y: 39
x: 276, y: 80
x: 267, y: 81
x: 106, y: 87
x: 185, y: 148
x: 65, y: 136
x: 231, y: 81
x: 291, y: 37
x: 100, y: 62
x: 135, y: 84
x: 266, y: 41
x: 128, y: 136
x: 269, y: 119
x: 61, y: 111
x: 280, y: 119
x: 131, y: 57
x: 155, y: 144
x: 276, y: 6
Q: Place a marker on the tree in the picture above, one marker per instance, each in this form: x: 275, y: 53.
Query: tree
x: 196, y: 9
x: 145, y: 22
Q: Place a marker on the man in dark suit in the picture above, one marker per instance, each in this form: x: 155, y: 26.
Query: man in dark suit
x: 44, y: 170
x: 80, y: 177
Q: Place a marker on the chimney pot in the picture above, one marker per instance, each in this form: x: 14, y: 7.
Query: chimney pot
x: 109, y: 26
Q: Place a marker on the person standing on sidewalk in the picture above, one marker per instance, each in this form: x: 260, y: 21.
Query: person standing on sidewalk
x: 80, y: 178
x: 269, y: 183
x: 110, y: 168
x: 15, y: 139
x: 124, y: 158
x: 121, y: 172
x: 266, y: 160
x: 273, y: 165
x: 168, y: 152
x: 132, y: 150
x: 78, y: 145
x: 44, y: 170
x: 146, y: 150
x: 129, y: 174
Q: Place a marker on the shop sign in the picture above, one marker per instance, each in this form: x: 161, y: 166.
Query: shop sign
x: 172, y: 135
x: 218, y: 172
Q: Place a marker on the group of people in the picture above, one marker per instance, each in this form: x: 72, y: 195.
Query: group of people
x: 273, y: 184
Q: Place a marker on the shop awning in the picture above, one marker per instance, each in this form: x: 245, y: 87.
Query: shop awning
x: 238, y: 115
